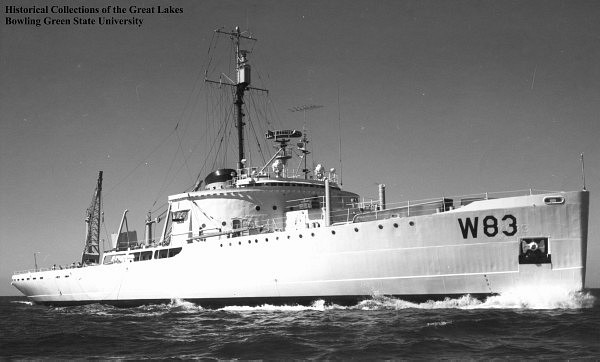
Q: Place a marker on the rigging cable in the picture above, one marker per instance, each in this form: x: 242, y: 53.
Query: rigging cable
x: 140, y: 163
x: 260, y: 152
x: 166, y: 174
x: 183, y: 155
x: 208, y: 156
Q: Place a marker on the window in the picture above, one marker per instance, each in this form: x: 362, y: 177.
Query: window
x: 141, y: 256
x: 108, y: 259
x: 174, y: 251
x: 179, y: 216
x: 161, y: 254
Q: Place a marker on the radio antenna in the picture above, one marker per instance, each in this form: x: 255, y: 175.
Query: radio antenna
x: 304, y: 143
x: 583, y: 172
x: 340, y: 133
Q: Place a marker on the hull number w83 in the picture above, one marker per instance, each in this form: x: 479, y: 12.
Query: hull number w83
x: 489, y: 226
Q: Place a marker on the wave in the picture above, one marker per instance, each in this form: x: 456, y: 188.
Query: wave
x: 183, y: 305
x: 547, y: 298
x: 318, y: 305
x: 26, y: 302
x: 524, y: 299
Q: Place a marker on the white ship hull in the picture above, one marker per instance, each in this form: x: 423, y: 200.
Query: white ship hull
x: 416, y: 257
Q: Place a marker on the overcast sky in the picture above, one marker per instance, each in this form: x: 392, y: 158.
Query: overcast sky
x: 436, y: 98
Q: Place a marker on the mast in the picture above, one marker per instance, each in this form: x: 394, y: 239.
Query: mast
x: 91, y: 251
x: 241, y: 86
x: 243, y: 81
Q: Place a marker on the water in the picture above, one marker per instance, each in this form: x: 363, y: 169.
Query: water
x: 538, y: 325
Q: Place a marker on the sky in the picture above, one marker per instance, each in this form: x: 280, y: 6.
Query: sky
x: 432, y: 98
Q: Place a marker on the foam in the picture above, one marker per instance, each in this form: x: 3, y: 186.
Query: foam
x: 318, y: 305
x: 546, y: 298
x: 22, y: 302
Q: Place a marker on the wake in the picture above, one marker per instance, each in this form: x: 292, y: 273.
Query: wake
x: 522, y: 299
x: 525, y: 299
x: 26, y: 302
x: 547, y: 298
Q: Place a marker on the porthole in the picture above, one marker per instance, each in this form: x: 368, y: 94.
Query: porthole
x: 380, y: 226
x: 288, y: 236
x: 203, y: 226
x: 274, y: 207
x: 249, y: 241
x: 356, y: 229
x: 221, y: 245
x: 300, y: 236
x: 277, y: 238
x: 332, y: 232
x: 257, y: 208
x: 256, y: 241
x: 223, y: 223
x: 266, y: 240
x: 411, y: 223
x: 395, y: 224
x: 312, y: 234
x: 229, y: 244
x: 239, y: 243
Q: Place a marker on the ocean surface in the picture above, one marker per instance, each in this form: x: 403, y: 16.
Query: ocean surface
x: 544, y: 325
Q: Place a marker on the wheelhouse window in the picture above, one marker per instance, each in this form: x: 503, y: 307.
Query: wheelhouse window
x: 161, y: 254
x: 174, y: 251
x: 141, y: 256
x: 166, y: 253
x: 114, y: 258
x: 179, y: 216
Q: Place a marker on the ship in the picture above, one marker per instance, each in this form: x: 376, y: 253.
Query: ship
x: 277, y: 234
